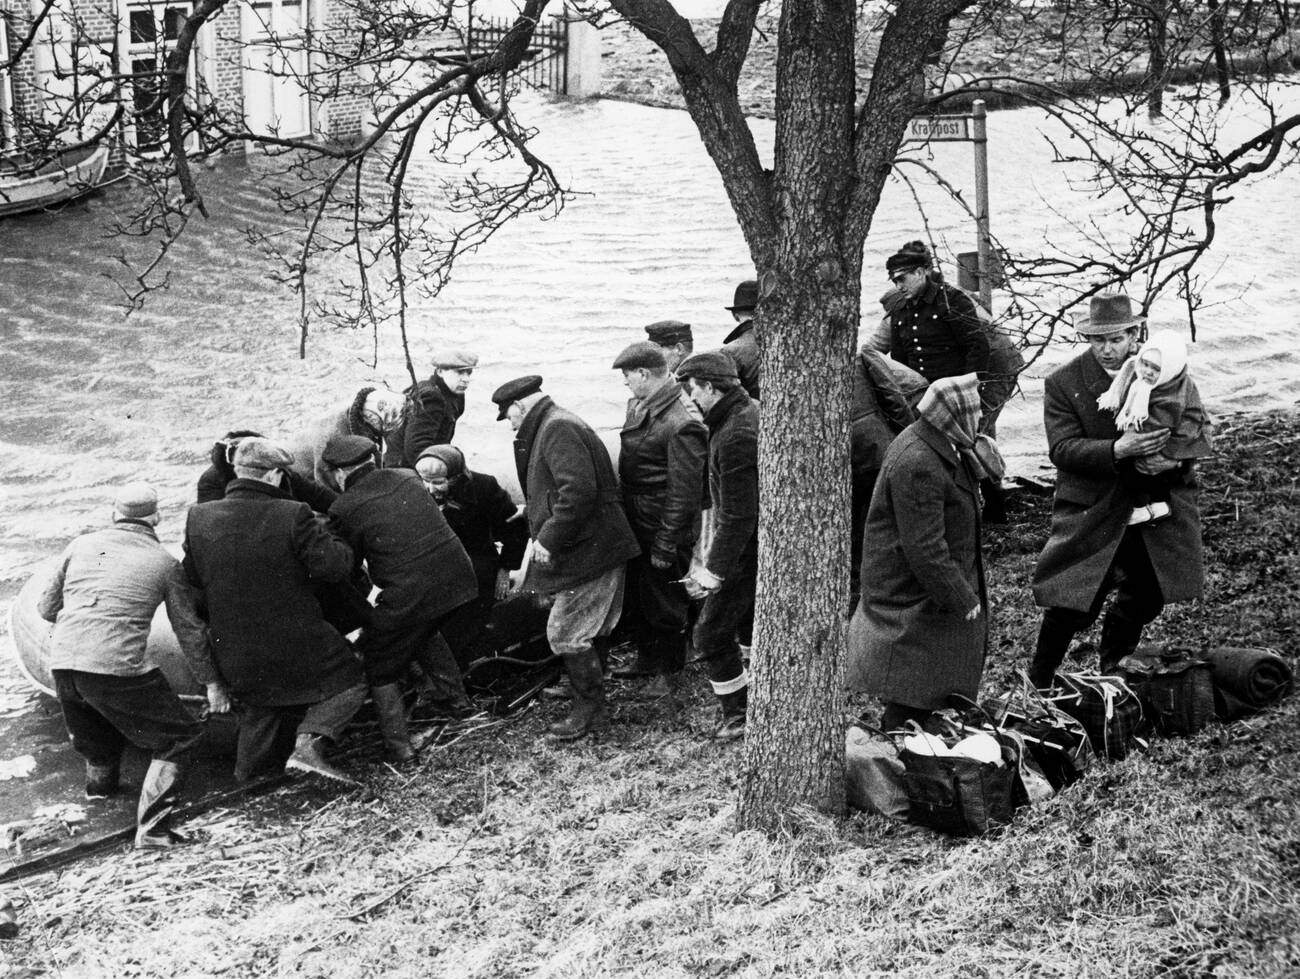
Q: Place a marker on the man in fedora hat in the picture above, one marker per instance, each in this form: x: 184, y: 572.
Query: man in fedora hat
x: 581, y: 540
x: 432, y: 408
x: 674, y: 338
x: 101, y: 599
x: 1092, y: 551
x: 741, y: 344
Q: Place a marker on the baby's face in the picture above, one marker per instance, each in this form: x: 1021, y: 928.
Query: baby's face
x: 1148, y: 366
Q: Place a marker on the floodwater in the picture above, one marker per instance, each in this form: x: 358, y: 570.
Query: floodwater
x: 93, y: 397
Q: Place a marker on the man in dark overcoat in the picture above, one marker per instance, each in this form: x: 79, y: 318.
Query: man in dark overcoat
x: 741, y: 344
x: 661, y: 464
x: 1092, y: 551
x: 920, y: 632
x: 256, y: 554
x: 581, y: 541
x: 432, y: 408
x: 728, y: 576
x: 421, y: 569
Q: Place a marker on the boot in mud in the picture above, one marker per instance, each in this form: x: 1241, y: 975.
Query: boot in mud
x: 734, y: 708
x: 102, y: 781
x: 162, y: 784
x: 309, y: 756
x: 588, y: 712
x: 391, y: 712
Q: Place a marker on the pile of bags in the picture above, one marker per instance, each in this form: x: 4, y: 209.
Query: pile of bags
x: 973, y: 767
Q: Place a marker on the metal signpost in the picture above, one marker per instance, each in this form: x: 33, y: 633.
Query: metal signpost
x: 967, y: 129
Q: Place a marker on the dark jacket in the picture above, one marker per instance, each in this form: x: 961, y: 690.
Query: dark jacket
x: 939, y: 334
x: 213, y: 482
x: 412, y: 555
x: 661, y: 464
x: 430, y: 417
x: 741, y: 344
x: 574, y: 506
x: 310, y: 443
x: 1090, y: 509
x: 880, y: 410
x: 479, y: 511
x: 733, y: 481
x: 922, y: 572
x: 255, y: 554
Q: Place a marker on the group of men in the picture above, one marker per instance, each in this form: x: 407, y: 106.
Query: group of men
x: 283, y: 547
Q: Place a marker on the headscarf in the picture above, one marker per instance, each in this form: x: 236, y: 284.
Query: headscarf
x: 952, y: 405
x: 1134, y: 394
x: 450, y: 456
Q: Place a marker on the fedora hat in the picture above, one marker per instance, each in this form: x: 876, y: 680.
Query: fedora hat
x: 1108, y: 312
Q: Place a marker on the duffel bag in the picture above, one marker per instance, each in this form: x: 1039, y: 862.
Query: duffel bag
x: 1175, y: 687
x: 955, y: 794
x: 1107, y: 708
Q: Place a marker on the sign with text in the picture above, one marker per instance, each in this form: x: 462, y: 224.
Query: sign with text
x: 939, y: 129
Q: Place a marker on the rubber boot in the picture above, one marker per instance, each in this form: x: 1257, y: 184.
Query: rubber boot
x: 162, y: 784
x: 391, y: 711
x: 309, y: 756
x: 734, y: 708
x: 102, y: 781
x: 561, y: 689
x: 588, y: 712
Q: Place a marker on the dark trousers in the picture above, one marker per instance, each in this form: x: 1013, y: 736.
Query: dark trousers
x: 466, y: 628
x: 656, y: 610
x: 722, y: 617
x: 105, y: 713
x: 1137, y: 601
x: 267, y: 733
x: 395, y: 637
x: 864, y: 483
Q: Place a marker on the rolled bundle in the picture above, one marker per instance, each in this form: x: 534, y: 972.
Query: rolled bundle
x: 1247, y: 680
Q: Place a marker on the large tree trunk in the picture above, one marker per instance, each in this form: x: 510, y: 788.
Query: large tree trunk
x: 807, y: 330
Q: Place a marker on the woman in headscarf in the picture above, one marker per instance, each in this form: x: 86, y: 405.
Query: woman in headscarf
x: 483, y: 515
x: 920, y: 632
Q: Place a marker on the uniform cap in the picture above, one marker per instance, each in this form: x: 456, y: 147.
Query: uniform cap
x: 667, y: 332
x: 348, y: 450
x: 642, y: 354
x: 712, y: 365
x: 512, y: 391
x: 257, y: 453
x: 450, y: 357
x: 136, y: 500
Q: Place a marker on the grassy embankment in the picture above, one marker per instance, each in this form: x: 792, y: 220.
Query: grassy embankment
x: 503, y: 856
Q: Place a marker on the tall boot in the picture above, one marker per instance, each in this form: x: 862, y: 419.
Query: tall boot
x: 588, y: 711
x: 162, y: 784
x: 734, y: 709
x: 391, y: 711
x: 1119, y: 638
x: 1049, y: 653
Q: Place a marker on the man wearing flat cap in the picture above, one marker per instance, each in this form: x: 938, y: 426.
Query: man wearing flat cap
x: 664, y: 445
x: 581, y: 541
x: 102, y: 598
x: 741, y: 344
x: 728, y: 576
x: 674, y: 338
x: 256, y: 555
x: 432, y: 408
x: 421, y: 569
x: 1092, y: 551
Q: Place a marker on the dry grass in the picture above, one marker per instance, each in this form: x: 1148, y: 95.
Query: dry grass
x: 504, y: 856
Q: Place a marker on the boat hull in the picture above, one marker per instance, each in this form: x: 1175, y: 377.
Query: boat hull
x: 70, y: 176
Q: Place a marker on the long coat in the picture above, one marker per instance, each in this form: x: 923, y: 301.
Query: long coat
x: 429, y: 418
x: 661, y: 463
x: 879, y: 411
x: 255, y: 554
x: 741, y: 345
x: 573, y: 503
x: 1090, y: 510
x: 733, y: 482
x: 922, y: 572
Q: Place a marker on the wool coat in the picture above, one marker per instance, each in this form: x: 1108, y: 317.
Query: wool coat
x: 733, y: 483
x: 255, y: 555
x: 661, y: 462
x: 573, y: 503
x: 741, y: 345
x: 429, y: 418
x: 879, y: 410
x: 1090, y: 509
x: 922, y: 572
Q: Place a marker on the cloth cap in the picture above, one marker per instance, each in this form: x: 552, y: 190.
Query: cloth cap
x: 450, y: 456
x: 136, y: 500
x: 1108, y: 312
x: 746, y: 296
x: 510, y: 392
x: 913, y: 255
x: 713, y: 365
x: 667, y: 332
x: 459, y: 359
x: 257, y: 453
x: 641, y: 354
x: 347, y: 450
x: 952, y: 405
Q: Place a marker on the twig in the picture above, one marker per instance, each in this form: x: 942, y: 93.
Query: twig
x: 404, y: 885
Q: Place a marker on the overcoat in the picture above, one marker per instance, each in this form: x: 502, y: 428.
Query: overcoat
x: 741, y: 345
x: 429, y: 418
x: 1090, y: 509
x: 573, y: 503
x: 922, y: 572
x: 661, y: 463
x: 733, y: 483
x: 879, y: 410
x: 255, y: 554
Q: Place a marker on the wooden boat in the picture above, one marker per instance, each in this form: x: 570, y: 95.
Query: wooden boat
x: 25, y: 186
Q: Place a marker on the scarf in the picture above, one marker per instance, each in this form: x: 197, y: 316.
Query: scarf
x: 1129, y: 396
x: 952, y: 405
